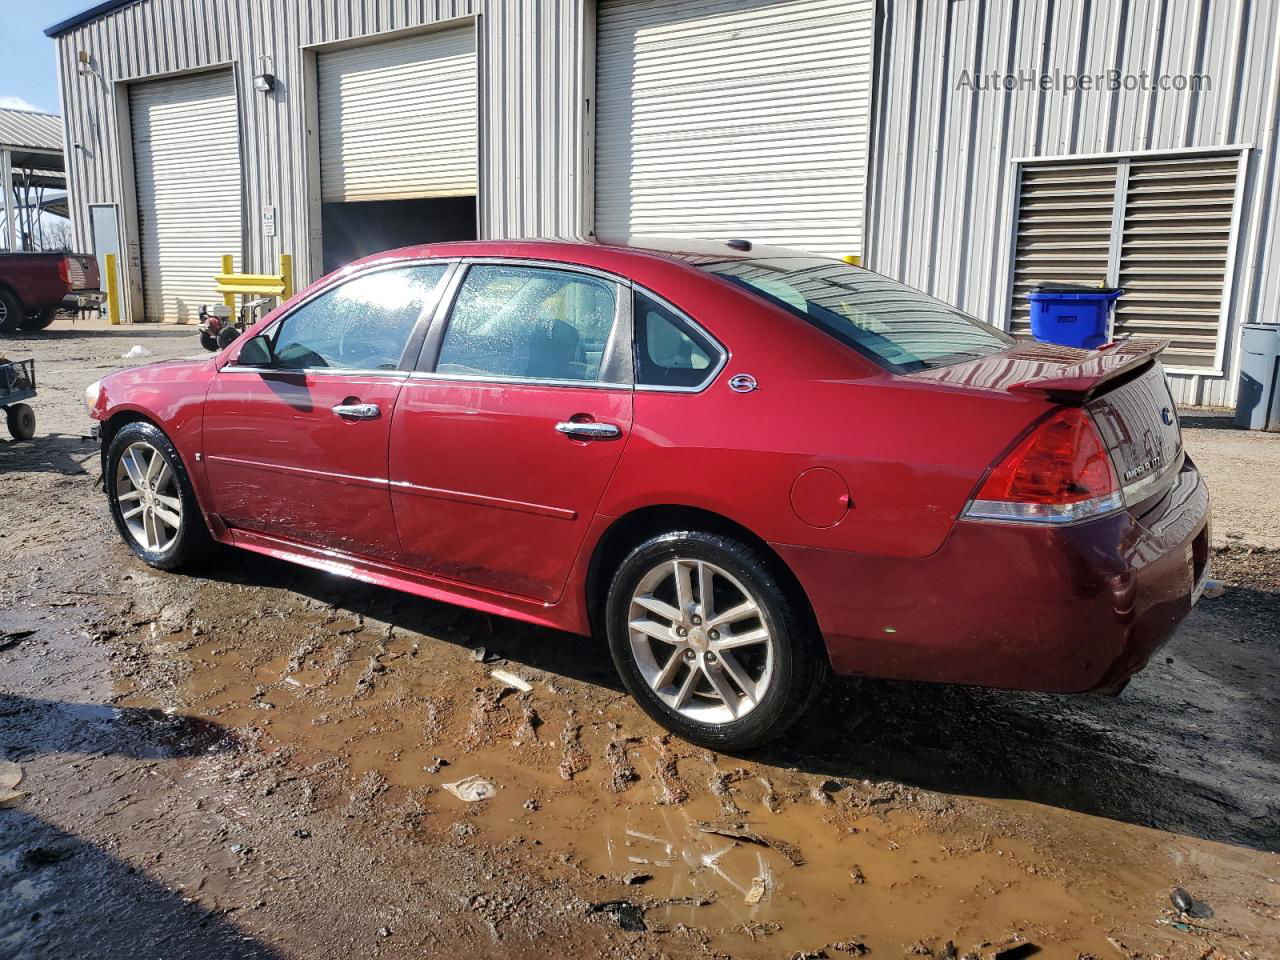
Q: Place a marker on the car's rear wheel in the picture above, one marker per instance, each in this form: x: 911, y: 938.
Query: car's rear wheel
x: 710, y: 642
x: 39, y: 319
x: 152, y: 501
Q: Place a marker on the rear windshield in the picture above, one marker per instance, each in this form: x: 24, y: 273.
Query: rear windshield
x: 899, y: 328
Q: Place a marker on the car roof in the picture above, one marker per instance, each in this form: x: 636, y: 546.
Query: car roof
x: 620, y: 258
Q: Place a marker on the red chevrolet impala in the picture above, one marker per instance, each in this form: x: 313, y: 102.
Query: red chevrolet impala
x: 745, y: 468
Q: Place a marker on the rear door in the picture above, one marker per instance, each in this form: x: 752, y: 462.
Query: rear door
x: 299, y: 449
x: 504, y: 439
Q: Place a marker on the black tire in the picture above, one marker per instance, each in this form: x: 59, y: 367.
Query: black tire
x: 12, y: 312
x: 227, y: 336
x: 39, y: 319
x: 21, y: 420
x: 191, y: 541
x: 209, y: 342
x: 799, y: 660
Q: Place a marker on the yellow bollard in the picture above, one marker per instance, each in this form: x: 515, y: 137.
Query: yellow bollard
x: 286, y: 272
x: 113, y: 291
x: 229, y: 266
x: 853, y: 260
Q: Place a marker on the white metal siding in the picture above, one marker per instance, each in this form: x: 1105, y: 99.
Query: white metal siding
x: 534, y: 90
x: 734, y: 118
x: 942, y: 197
x: 398, y: 118
x: 186, y: 158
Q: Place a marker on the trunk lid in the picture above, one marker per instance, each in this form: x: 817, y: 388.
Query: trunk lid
x: 1122, y: 385
x: 1139, y: 424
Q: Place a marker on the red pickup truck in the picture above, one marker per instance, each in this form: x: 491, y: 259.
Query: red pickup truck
x: 34, y: 285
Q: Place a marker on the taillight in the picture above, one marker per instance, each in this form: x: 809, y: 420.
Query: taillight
x: 1059, y: 473
x: 64, y: 270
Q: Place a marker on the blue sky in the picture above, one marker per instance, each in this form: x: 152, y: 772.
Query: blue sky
x: 28, y: 75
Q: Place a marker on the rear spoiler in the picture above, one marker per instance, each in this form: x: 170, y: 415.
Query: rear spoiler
x: 1084, y: 379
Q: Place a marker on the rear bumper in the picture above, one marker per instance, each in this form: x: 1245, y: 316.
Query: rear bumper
x: 1059, y: 610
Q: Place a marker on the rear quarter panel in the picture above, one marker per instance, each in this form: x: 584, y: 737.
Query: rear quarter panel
x: 911, y: 452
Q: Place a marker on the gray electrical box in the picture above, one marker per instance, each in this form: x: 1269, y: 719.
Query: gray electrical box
x: 1258, y: 396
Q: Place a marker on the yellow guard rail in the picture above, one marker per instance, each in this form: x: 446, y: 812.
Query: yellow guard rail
x: 231, y: 284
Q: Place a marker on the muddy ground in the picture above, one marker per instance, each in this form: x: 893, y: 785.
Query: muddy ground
x: 250, y: 762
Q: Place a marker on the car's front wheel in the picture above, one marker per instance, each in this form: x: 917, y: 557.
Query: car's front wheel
x: 152, y: 501
x: 709, y: 641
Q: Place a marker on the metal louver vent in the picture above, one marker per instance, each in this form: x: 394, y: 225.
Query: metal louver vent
x: 1159, y: 228
x: 1064, y: 230
x: 1173, y: 261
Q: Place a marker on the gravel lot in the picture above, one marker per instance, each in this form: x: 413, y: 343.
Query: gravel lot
x: 250, y: 762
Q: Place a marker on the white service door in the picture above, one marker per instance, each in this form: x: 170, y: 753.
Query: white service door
x: 186, y: 161
x: 734, y: 118
x: 398, y: 119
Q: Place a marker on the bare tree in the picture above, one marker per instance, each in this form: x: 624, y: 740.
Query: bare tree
x: 57, y: 235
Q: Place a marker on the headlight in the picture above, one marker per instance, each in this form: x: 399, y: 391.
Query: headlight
x: 91, y: 393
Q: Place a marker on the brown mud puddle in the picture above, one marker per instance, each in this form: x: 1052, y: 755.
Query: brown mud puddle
x: 721, y: 853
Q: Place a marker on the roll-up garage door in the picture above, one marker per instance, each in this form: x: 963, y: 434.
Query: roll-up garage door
x: 186, y: 160
x: 398, y: 119
x: 734, y: 118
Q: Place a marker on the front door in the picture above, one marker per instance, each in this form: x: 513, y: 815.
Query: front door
x: 298, y: 449
x: 503, y: 442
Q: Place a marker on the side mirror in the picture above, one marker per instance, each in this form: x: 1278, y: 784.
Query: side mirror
x: 256, y: 352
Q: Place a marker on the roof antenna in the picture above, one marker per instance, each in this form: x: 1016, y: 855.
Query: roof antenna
x: 739, y: 244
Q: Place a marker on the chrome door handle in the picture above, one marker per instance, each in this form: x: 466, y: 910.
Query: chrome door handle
x: 590, y: 430
x: 358, y: 411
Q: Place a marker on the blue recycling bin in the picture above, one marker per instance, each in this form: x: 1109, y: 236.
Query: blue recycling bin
x: 1072, y: 316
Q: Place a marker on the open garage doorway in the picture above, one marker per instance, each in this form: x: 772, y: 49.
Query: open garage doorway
x: 398, y: 143
x: 355, y: 230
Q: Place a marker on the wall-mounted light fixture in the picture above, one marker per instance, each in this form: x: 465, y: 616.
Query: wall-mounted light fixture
x: 264, y: 80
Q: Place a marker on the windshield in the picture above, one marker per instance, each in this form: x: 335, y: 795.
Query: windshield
x: 899, y: 328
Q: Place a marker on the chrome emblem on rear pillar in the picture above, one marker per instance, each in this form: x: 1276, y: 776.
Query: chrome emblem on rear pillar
x: 742, y: 383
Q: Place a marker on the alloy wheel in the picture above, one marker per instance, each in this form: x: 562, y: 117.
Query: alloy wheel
x: 148, y: 496
x: 701, y: 640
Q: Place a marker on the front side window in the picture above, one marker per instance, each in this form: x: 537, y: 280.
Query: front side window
x: 362, y: 324
x: 669, y: 352
x: 894, y: 325
x: 529, y: 323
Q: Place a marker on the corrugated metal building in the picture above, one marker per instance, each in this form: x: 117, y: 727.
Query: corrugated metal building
x: 329, y: 128
x: 981, y: 186
x: 953, y: 139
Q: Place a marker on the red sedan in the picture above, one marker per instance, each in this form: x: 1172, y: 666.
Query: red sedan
x: 745, y: 468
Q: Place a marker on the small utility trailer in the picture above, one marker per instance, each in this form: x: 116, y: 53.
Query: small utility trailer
x: 18, y: 385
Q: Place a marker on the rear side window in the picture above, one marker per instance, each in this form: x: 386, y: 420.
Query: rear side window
x: 529, y: 323
x: 362, y: 324
x: 894, y: 325
x: 669, y: 352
